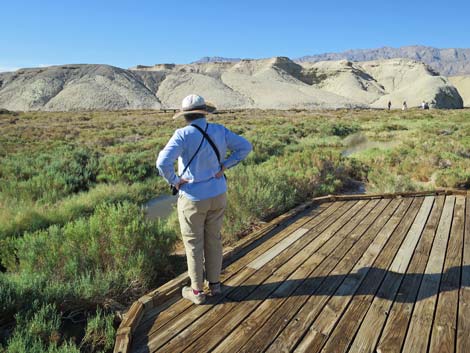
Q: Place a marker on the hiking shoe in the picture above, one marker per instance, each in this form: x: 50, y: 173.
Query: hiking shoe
x: 189, y: 294
x: 215, y: 289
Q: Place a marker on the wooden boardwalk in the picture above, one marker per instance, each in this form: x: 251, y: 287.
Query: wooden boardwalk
x: 359, y: 274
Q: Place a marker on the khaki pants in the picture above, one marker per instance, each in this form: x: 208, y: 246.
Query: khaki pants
x: 200, y: 223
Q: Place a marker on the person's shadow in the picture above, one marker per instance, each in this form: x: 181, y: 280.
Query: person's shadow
x: 370, y: 281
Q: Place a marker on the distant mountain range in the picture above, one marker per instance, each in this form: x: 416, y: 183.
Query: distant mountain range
x: 213, y: 59
x: 447, y: 62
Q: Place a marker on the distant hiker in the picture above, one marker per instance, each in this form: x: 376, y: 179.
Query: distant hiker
x: 423, y: 105
x: 426, y: 105
x: 389, y: 105
x: 201, y: 150
x: 405, y: 106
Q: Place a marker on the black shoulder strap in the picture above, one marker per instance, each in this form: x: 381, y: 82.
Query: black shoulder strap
x: 195, y: 153
x: 214, y: 147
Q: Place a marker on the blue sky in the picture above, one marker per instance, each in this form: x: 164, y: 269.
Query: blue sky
x: 126, y: 33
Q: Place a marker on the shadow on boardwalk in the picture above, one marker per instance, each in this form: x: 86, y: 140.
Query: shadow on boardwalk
x: 372, y: 278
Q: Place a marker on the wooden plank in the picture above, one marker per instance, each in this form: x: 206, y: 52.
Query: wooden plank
x: 386, y: 195
x: 417, y: 337
x: 211, y: 326
x: 323, y: 231
x: 292, y: 334
x: 133, y: 315
x: 241, y: 292
x: 313, y: 218
x: 253, y: 240
x: 156, y: 310
x: 388, y: 280
x: 323, y: 326
x: 396, y: 326
x: 444, y: 191
x: 261, y: 327
x: 122, y: 343
x: 250, y: 278
x: 463, y: 319
x: 263, y: 259
x: 299, y: 324
x: 371, y: 325
x: 325, y: 213
x: 445, y: 321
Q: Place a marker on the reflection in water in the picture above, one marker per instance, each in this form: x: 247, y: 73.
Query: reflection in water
x: 160, y: 207
x: 359, y: 142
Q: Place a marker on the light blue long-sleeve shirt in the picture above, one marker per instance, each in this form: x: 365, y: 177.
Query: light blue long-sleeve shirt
x: 201, y: 172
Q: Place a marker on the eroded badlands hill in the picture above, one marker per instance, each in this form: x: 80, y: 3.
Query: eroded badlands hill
x: 462, y: 83
x: 276, y: 83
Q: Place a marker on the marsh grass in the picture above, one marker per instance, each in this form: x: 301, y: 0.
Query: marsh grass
x: 99, y: 333
x: 38, y: 331
x: 19, y: 216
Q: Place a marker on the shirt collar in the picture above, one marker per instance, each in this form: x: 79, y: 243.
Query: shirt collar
x: 201, y: 122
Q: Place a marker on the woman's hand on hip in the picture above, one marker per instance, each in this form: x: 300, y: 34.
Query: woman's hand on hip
x: 181, y: 182
x: 220, y: 174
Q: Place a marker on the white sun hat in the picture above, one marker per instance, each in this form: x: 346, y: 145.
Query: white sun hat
x: 194, y: 104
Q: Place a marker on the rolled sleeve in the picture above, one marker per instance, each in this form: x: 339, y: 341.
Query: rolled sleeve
x: 168, y: 156
x: 239, y: 147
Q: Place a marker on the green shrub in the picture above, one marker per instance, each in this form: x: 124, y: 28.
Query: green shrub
x: 99, y: 333
x: 383, y: 181
x: 27, y: 216
x: 38, y: 331
x: 343, y: 129
x: 87, y: 290
x: 114, y: 238
x: 264, y: 148
x: 126, y: 168
x: 49, y: 176
x: 74, y: 170
x: 393, y: 127
x: 254, y: 194
x: 115, y: 254
x: 454, y: 178
x: 258, y: 192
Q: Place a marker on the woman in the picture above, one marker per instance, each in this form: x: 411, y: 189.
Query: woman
x: 201, y: 148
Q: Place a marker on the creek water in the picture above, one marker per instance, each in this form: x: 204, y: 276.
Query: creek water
x: 359, y: 142
x: 160, y: 207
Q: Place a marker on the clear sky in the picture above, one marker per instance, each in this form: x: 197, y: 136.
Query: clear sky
x: 126, y: 33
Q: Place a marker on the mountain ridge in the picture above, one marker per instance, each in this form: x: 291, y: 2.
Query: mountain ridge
x: 446, y: 61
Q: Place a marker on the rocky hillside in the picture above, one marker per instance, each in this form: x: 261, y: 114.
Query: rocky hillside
x: 447, y: 62
x: 78, y: 87
x: 276, y: 83
x: 462, y: 83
